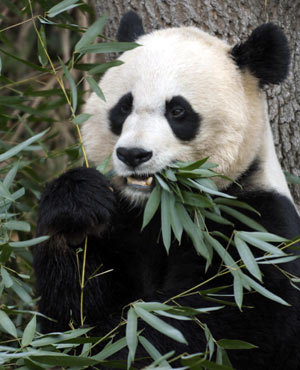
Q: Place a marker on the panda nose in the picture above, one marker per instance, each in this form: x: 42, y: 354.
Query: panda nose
x: 133, y: 156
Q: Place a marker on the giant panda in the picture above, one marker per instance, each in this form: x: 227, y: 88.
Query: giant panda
x: 181, y: 95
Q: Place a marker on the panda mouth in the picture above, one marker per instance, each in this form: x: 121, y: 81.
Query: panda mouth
x: 140, y: 182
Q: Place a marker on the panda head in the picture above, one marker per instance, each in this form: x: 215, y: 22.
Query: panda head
x: 184, y: 95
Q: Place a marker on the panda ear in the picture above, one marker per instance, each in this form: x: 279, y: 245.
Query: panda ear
x: 266, y: 54
x: 131, y: 27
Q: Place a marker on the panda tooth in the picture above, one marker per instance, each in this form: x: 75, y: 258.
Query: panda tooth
x: 133, y: 181
x: 149, y: 181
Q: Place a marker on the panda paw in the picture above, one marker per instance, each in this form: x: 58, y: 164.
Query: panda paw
x: 78, y: 203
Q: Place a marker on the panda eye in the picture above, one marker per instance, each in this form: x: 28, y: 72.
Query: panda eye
x: 177, y: 112
x: 125, y: 108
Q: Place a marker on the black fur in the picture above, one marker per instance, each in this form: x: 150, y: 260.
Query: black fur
x: 186, y: 126
x: 142, y: 270
x: 266, y: 54
x: 120, y: 112
x: 131, y: 27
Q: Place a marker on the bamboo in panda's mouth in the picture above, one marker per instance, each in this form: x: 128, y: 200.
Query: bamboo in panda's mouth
x: 141, y: 182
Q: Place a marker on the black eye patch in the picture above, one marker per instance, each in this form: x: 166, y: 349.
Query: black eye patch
x: 182, y: 118
x: 120, y: 112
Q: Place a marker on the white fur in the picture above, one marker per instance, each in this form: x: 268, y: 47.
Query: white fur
x: 185, y: 61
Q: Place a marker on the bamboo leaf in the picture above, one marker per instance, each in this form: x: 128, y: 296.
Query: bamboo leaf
x: 238, y: 290
x: 110, y: 349
x: 72, y: 85
x: 42, y: 46
x: 252, y: 239
x: 160, y: 325
x: 263, y: 291
x: 242, y: 218
x: 152, y: 306
x: 104, y: 67
x: 7, y: 324
x: 9, y: 178
x: 152, y: 351
x: 235, y: 344
x: 247, y: 257
x: 29, y: 332
x: 29, y: 243
x: 8, y: 282
x: 62, y: 7
x: 95, y: 87
x: 16, y: 149
x: 166, y: 219
x: 17, y: 225
x: 151, y: 206
x: 131, y: 334
x: 235, y: 203
x: 108, y: 47
x: 81, y: 118
x: 91, y: 33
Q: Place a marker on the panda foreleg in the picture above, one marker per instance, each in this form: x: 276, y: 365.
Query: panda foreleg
x: 77, y: 204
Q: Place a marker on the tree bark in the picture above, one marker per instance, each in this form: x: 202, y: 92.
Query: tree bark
x: 234, y: 20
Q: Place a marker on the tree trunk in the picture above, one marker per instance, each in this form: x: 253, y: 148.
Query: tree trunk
x: 234, y: 20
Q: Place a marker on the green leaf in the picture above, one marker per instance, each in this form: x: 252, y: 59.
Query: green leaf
x: 17, y: 287
x: 151, y: 206
x: 29, y: 332
x: 110, y: 349
x: 216, y: 218
x: 267, y: 237
x: 242, y: 218
x: 291, y: 178
x: 152, y: 306
x: 205, y: 189
x: 62, y: 7
x: 165, y: 219
x: 162, y: 183
x: 7, y: 324
x: 8, y: 282
x: 263, y: 291
x: 194, y: 165
x: 238, y: 290
x: 16, y: 149
x: 72, y: 85
x: 198, y: 362
x: 65, y: 337
x: 17, y: 225
x: 196, y: 200
x: 95, y: 87
x: 42, y: 46
x: 104, y: 67
x: 23, y: 61
x: 80, y: 118
x: 104, y: 165
x: 235, y: 344
x: 192, y: 230
x: 152, y: 351
x: 252, y: 239
x: 175, y: 220
x: 108, y: 47
x: 29, y: 243
x: 91, y: 33
x: 160, y: 325
x: 247, y: 257
x: 235, y: 203
x: 222, y: 252
x: 131, y: 334
x: 9, y: 178
x: 61, y: 359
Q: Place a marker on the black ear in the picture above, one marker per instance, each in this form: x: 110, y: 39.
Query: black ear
x: 131, y: 27
x: 266, y: 54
